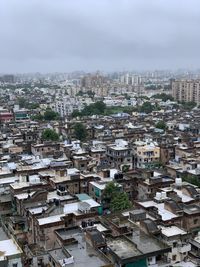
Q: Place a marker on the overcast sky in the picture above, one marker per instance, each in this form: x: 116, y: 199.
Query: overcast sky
x: 68, y: 35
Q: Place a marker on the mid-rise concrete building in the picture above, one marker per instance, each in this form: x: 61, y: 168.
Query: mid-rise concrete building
x: 119, y: 154
x: 146, y: 154
x: 186, y: 90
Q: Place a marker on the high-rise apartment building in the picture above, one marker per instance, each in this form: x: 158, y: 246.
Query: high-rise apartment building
x: 186, y: 90
x: 93, y: 80
x: 8, y: 78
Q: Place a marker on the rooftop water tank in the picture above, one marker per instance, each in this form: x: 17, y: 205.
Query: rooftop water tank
x: 158, y: 195
x: 178, y: 181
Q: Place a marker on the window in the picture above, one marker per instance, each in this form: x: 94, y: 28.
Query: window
x: 150, y: 259
x: 195, y: 221
x: 40, y: 262
x: 173, y: 257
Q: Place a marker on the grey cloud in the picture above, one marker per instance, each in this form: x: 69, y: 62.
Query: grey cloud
x: 65, y: 35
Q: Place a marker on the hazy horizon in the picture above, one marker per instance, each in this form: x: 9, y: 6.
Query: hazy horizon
x: 107, y: 35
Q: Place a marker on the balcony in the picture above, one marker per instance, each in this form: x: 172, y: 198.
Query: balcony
x: 184, y: 248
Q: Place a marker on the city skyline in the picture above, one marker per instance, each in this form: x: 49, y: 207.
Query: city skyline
x: 65, y: 36
x: 99, y: 133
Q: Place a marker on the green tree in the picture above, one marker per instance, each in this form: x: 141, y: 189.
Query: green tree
x: 49, y: 115
x: 114, y: 198
x: 80, y: 131
x: 94, y: 109
x: 50, y: 135
x: 97, y: 108
x: 190, y: 179
x: 164, y: 97
x: 38, y: 117
x: 80, y: 93
x: 90, y: 93
x: 111, y: 189
x: 188, y: 106
x: 143, y: 97
x: 75, y: 113
x: 129, y: 109
x: 161, y: 125
x: 120, y: 202
x: 109, y: 193
x: 21, y: 102
x: 126, y: 96
x: 146, y: 107
x: 24, y: 103
x: 32, y: 105
x: 153, y: 86
x: 100, y: 106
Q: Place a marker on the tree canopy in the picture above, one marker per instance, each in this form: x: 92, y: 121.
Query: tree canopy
x: 24, y: 103
x: 111, y: 189
x: 188, y: 106
x: 21, y: 102
x: 49, y: 115
x: 153, y: 86
x: 80, y: 131
x: 191, y: 179
x: 120, y: 202
x: 146, y: 107
x: 97, y: 108
x: 164, y: 97
x: 50, y: 135
x: 161, y: 125
x: 38, y: 117
x: 76, y: 113
x: 89, y: 93
x: 116, y: 199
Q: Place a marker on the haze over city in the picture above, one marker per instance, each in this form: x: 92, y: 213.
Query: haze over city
x: 99, y: 133
x: 49, y: 36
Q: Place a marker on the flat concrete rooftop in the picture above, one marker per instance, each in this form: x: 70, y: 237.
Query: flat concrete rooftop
x: 84, y: 254
x: 122, y: 247
x: 145, y: 243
